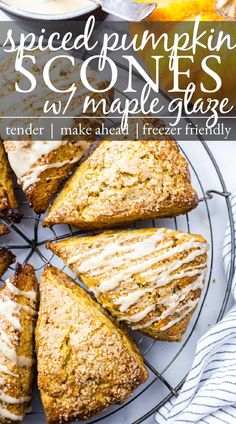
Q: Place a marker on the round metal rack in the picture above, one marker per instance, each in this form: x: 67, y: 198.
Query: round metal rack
x: 27, y: 241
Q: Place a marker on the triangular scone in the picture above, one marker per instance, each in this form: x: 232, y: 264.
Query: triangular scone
x: 123, y: 181
x: 18, y: 310
x: 41, y: 166
x: 85, y: 362
x: 8, y: 202
x: 149, y: 278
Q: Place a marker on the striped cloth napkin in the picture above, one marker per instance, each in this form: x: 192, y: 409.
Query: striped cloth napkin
x: 208, y: 395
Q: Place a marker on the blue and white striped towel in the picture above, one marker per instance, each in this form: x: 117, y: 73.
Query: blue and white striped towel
x: 209, y: 394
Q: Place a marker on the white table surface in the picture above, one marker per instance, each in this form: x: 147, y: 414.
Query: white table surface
x: 225, y: 154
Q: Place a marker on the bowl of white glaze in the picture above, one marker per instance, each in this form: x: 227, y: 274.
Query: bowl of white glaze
x: 50, y: 10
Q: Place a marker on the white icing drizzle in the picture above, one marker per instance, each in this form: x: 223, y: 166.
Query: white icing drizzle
x: 78, y: 257
x: 140, y: 315
x: 131, y: 299
x: 126, y: 301
x: 5, y: 370
x: 173, y: 300
x: 9, y: 415
x: 11, y: 311
x: 34, y: 176
x: 13, y: 401
x: 172, y: 303
x: 100, y: 264
x: 17, y: 292
x: 161, y: 275
x: 127, y: 258
x: 16, y: 308
x: 139, y: 268
x: 8, y: 351
x: 124, y: 262
x: 28, y: 309
x: 23, y: 157
x: 188, y: 307
x: 147, y: 247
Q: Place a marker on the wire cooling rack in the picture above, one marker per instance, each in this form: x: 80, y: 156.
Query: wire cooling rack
x: 168, y: 363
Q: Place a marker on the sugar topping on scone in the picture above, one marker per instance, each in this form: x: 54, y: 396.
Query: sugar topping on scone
x: 123, y: 181
x: 150, y: 278
x: 86, y: 362
x: 18, y: 311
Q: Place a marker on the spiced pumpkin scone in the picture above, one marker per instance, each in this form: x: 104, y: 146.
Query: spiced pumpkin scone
x: 18, y: 311
x: 41, y: 166
x: 6, y: 256
x: 85, y: 361
x: 149, y: 278
x: 8, y: 202
x: 123, y: 181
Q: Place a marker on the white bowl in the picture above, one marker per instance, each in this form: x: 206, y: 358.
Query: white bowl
x: 80, y: 13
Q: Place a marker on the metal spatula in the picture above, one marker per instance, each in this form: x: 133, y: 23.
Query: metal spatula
x: 127, y: 9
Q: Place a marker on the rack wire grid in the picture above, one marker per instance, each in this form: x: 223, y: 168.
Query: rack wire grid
x: 167, y: 363
x: 167, y: 375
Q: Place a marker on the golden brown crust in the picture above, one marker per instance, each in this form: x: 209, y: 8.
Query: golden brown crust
x: 17, y: 381
x: 85, y: 362
x: 6, y: 259
x: 40, y: 193
x: 124, y: 181
x: 134, y: 270
x: 4, y: 230
x: 6, y: 256
x: 8, y: 202
x: 50, y: 179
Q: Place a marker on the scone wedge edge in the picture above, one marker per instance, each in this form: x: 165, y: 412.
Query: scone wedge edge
x: 149, y: 278
x: 46, y: 175
x: 6, y: 256
x: 124, y: 181
x: 85, y: 362
x: 8, y: 202
x: 19, y: 303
